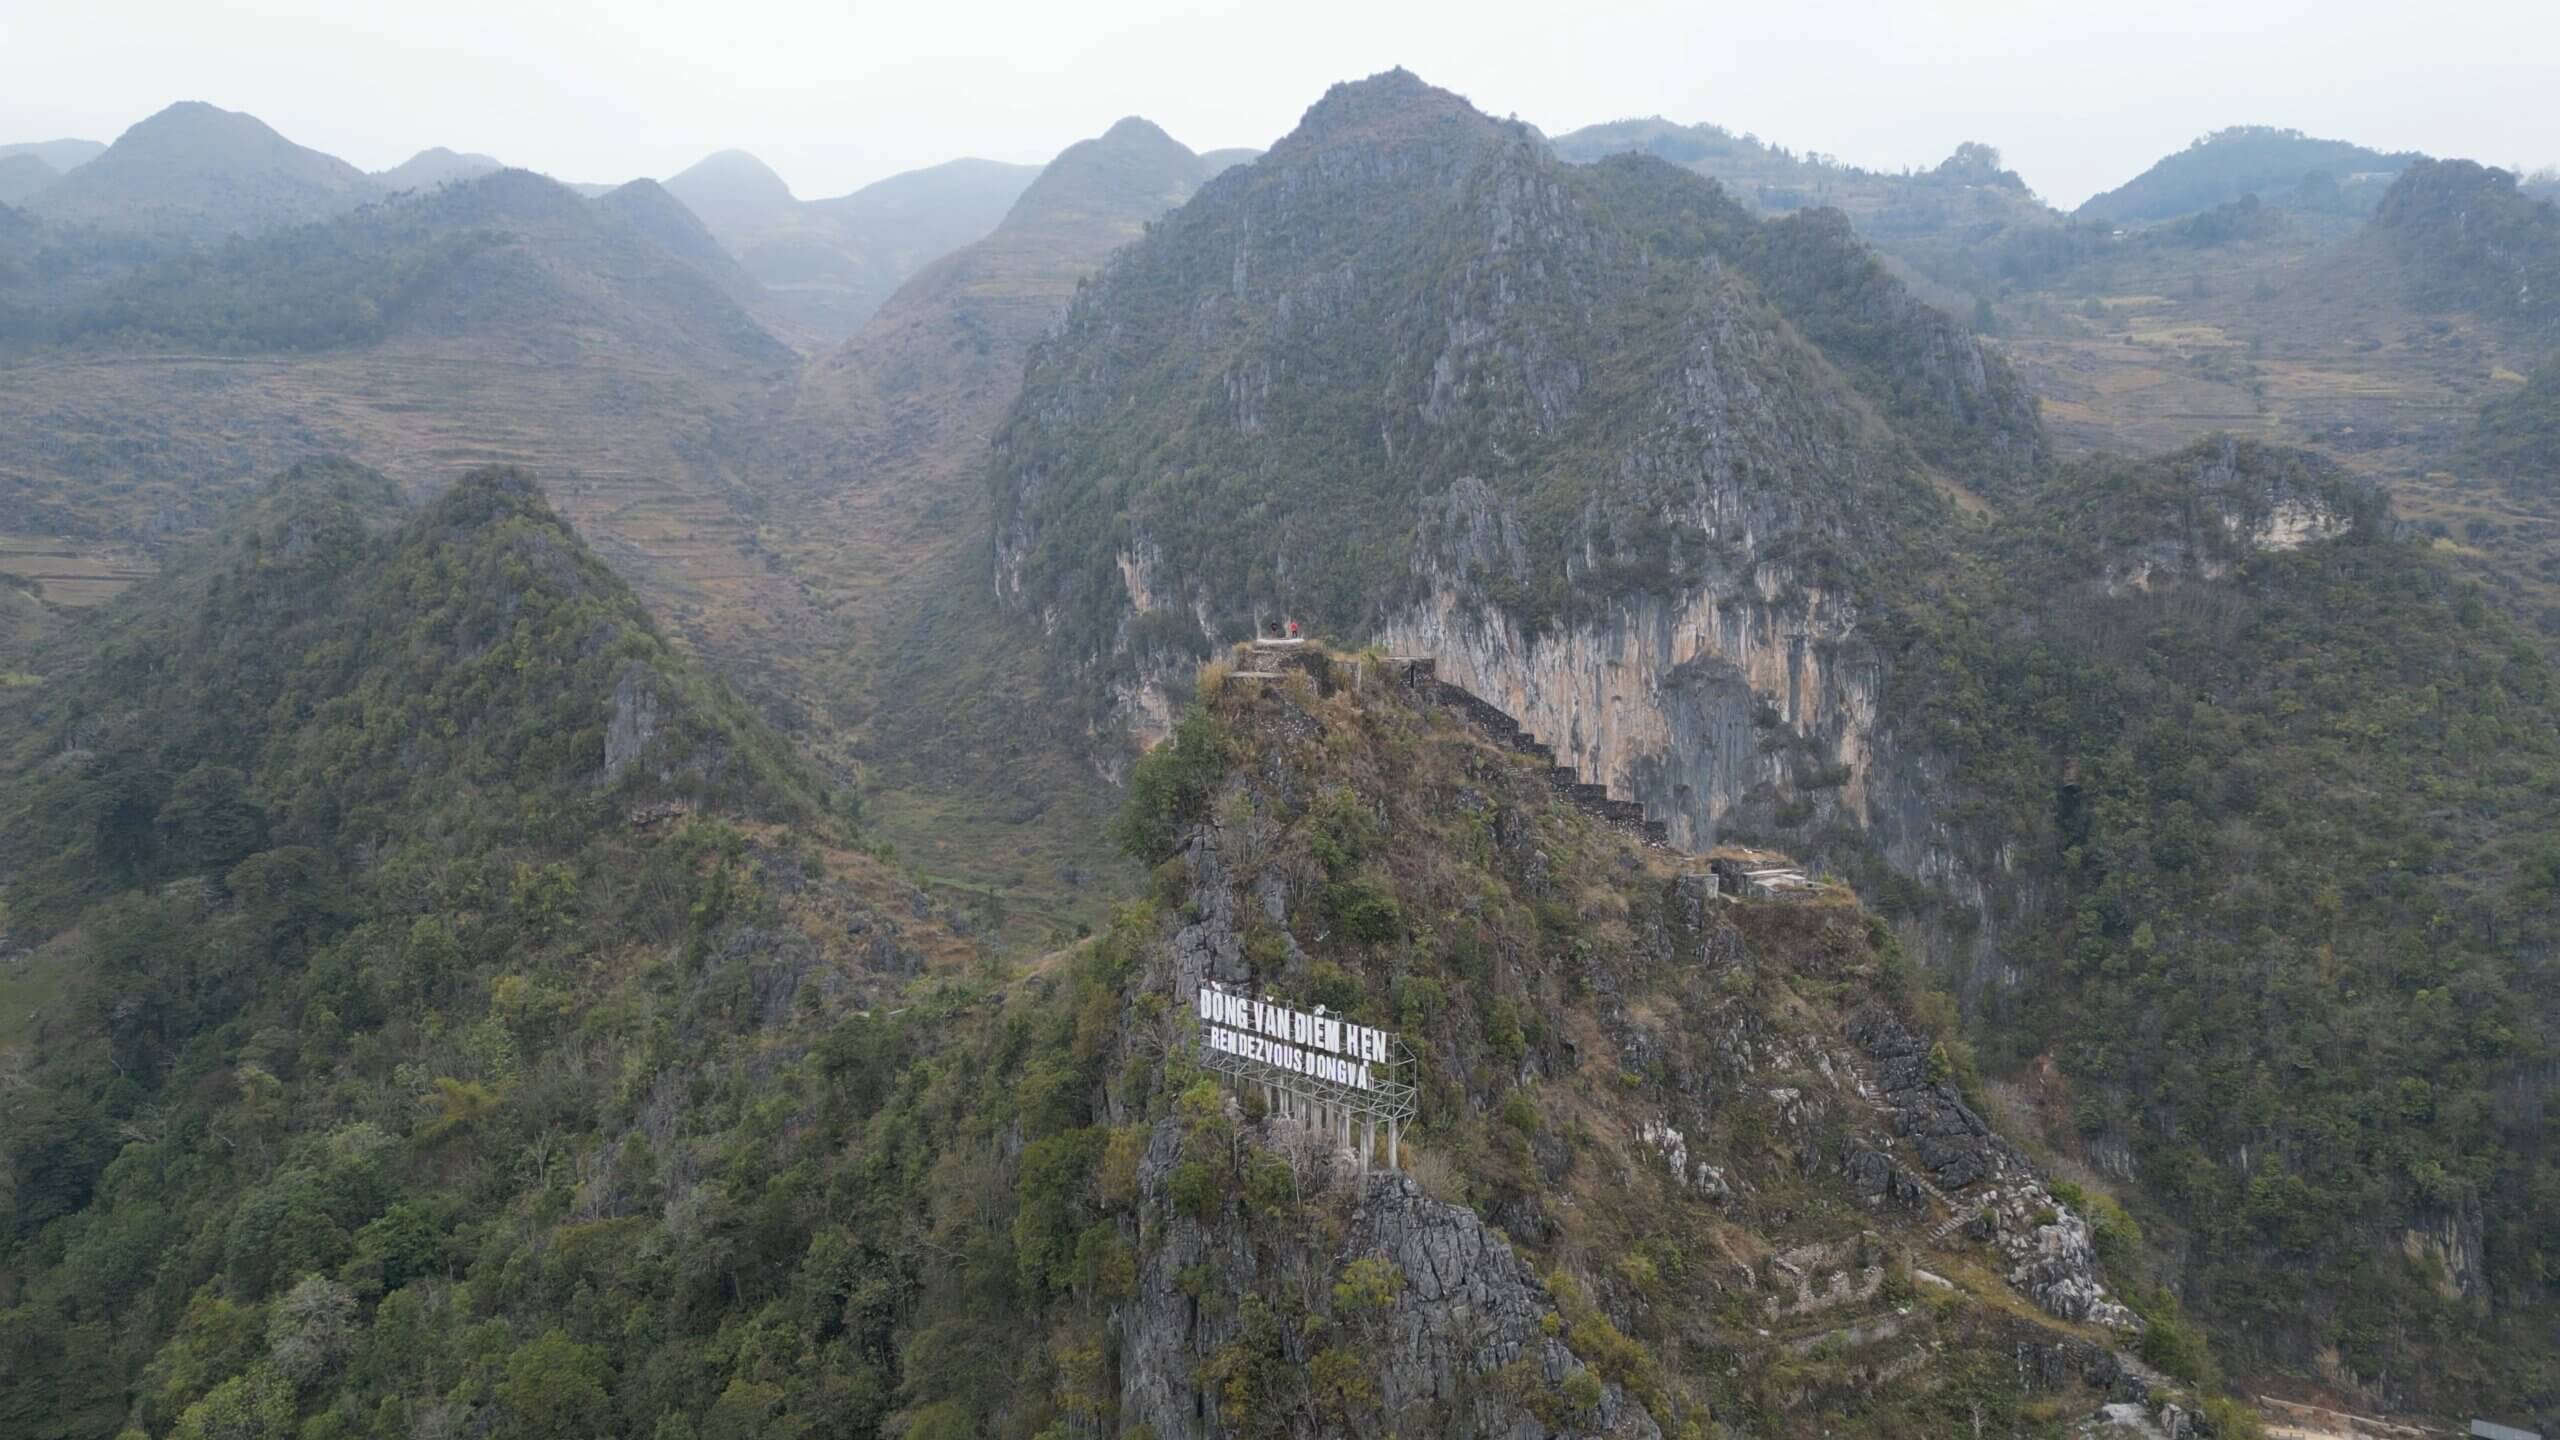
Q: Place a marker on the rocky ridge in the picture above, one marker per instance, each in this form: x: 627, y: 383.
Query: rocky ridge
x: 1477, y: 1312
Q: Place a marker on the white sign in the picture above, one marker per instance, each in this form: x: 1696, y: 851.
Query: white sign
x: 1296, y: 1042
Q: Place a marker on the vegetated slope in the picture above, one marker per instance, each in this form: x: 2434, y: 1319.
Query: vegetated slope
x: 2517, y: 436
x: 2258, y: 800
x: 2466, y: 238
x: 434, y: 166
x: 646, y: 206
x: 21, y: 235
x: 831, y: 262
x: 23, y: 175
x: 1407, y: 311
x: 2282, y: 167
x: 199, y: 173
x: 468, y: 1031
x: 420, y: 913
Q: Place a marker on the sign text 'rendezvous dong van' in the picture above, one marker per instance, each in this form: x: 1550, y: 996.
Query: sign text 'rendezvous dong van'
x: 1294, y: 1042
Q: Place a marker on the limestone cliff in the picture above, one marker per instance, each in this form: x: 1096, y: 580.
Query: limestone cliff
x: 1409, y: 360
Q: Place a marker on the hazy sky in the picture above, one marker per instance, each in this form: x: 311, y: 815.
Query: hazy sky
x: 2078, y: 95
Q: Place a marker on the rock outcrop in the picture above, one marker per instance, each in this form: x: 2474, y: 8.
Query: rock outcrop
x: 1468, y: 1326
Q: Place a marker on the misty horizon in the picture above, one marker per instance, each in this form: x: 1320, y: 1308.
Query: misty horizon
x: 1884, y: 92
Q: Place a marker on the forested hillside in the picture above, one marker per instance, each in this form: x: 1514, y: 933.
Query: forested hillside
x: 2469, y: 239
x: 2517, y: 436
x: 376, y: 854
x: 2293, y: 798
x: 22, y: 176
x: 467, y: 1024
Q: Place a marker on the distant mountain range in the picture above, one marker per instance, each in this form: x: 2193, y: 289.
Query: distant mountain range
x: 829, y: 263
x: 60, y: 155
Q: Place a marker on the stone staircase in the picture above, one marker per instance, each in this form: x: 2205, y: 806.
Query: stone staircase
x: 1964, y: 1214
x: 1420, y: 676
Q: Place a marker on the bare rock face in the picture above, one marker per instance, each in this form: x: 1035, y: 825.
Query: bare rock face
x: 634, y: 723
x: 1466, y: 1340
x: 2049, y: 1253
x: 1469, y: 1307
x: 2246, y: 500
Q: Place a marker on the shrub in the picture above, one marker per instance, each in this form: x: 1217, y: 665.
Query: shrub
x: 1169, y: 787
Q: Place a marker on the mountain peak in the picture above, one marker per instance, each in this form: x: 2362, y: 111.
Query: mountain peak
x: 435, y: 166
x: 197, y: 169
x: 197, y: 122
x: 1393, y: 105
x: 733, y: 193
x: 1122, y: 178
x: 735, y: 170
x: 1136, y: 128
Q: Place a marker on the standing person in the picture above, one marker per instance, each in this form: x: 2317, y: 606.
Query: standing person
x: 1293, y: 629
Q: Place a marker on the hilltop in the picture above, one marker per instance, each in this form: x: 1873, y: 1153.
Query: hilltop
x: 1653, y: 1184
x: 199, y: 173
x: 432, y: 167
x: 2284, y: 167
x: 831, y: 262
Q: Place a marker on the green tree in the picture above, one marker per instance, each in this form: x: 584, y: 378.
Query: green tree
x: 555, y: 1390
x: 254, y: 1406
